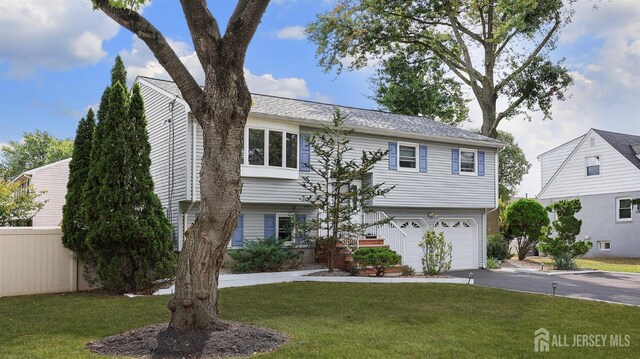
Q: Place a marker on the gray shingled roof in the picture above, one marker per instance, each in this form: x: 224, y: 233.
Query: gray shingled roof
x: 357, y: 117
x: 623, y: 143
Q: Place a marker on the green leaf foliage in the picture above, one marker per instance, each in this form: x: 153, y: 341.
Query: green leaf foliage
x: 566, y: 228
x: 128, y: 234
x: 74, y: 227
x: 436, y: 253
x: 266, y: 255
x: 36, y: 149
x: 18, y: 203
x: 380, y: 259
x: 498, y: 247
x: 409, y: 85
x: 513, y: 166
x: 526, y: 222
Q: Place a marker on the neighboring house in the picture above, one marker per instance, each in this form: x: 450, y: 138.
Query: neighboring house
x: 52, y: 179
x: 602, y: 169
x: 445, y: 177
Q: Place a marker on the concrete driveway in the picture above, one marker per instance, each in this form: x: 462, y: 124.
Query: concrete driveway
x: 612, y: 287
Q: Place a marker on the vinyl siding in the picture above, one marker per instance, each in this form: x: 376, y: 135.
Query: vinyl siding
x: 159, y: 122
x: 254, y: 217
x: 413, y: 189
x: 52, y: 179
x: 617, y: 174
x: 553, y: 159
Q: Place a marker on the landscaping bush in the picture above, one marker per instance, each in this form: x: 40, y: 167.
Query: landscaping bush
x: 566, y: 228
x: 565, y: 261
x: 526, y: 222
x: 265, y: 255
x: 380, y: 259
x: 408, y: 271
x: 436, y: 257
x: 493, y: 263
x: 498, y: 247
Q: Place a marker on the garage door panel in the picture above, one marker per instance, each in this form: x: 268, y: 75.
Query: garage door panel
x: 461, y: 234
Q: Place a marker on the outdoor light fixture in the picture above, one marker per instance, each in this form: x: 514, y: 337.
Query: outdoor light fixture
x: 470, y: 277
x: 432, y: 215
x: 554, y: 285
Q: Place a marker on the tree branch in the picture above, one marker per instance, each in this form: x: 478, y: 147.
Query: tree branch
x: 203, y: 28
x: 505, y: 42
x: 514, y: 105
x: 469, y: 65
x: 242, y: 26
x: 158, y: 45
x: 532, y: 56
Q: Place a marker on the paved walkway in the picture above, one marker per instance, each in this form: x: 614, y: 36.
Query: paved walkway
x: 243, y: 280
x: 621, y: 288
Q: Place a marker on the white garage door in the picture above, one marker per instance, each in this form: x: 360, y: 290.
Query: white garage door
x: 462, y: 233
x: 414, y: 228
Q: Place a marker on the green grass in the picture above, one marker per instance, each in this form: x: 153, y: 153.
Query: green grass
x: 628, y: 265
x: 337, y: 320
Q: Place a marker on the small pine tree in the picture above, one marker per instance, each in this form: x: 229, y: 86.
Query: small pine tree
x: 334, y: 194
x: 74, y: 228
x: 119, y: 73
x: 566, y: 228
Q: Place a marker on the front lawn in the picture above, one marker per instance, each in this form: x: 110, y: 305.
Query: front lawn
x: 337, y: 320
x: 629, y: 265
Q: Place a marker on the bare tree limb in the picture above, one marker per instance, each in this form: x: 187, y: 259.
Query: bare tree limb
x: 242, y: 25
x: 470, y: 70
x: 531, y: 56
x: 151, y: 36
x: 203, y: 28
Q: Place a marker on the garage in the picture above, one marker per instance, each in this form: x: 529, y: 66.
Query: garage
x: 413, y: 228
x: 463, y: 235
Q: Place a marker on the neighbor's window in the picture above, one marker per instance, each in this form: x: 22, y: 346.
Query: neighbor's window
x: 275, y: 148
x: 604, y: 245
x: 593, y: 166
x: 468, y: 161
x: 623, y: 209
x: 284, y: 227
x: 408, y: 156
x: 256, y: 146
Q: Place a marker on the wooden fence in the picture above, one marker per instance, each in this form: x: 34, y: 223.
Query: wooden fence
x: 33, y: 260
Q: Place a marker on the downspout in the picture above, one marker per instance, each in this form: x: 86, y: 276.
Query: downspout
x: 185, y: 214
x: 488, y: 210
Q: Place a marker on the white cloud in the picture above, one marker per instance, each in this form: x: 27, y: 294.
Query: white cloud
x: 141, y: 62
x: 51, y: 35
x: 292, y: 33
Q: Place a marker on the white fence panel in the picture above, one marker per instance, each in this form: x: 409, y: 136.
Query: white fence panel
x: 33, y: 260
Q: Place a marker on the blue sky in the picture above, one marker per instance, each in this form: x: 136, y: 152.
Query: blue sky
x: 55, y: 57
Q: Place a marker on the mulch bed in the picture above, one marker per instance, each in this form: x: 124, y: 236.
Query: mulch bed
x: 159, y: 341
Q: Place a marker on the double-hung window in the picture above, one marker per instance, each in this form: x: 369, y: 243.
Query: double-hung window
x: 468, y: 161
x: 623, y: 209
x: 407, y: 157
x: 284, y: 227
x: 593, y: 166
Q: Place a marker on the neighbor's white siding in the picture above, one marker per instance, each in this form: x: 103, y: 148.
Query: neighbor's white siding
x: 617, y: 174
x: 52, y: 179
x: 553, y: 159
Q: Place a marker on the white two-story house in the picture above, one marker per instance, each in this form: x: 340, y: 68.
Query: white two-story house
x: 446, y: 178
x: 602, y: 169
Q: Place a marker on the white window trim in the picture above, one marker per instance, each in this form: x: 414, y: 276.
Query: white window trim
x: 278, y: 215
x: 475, y: 162
x: 586, y: 165
x: 618, y: 219
x: 604, y: 249
x: 417, y: 149
x: 265, y: 170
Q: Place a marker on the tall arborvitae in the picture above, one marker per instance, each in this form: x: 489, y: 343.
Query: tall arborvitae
x: 153, y: 235
x: 119, y: 72
x: 74, y: 228
x: 128, y: 235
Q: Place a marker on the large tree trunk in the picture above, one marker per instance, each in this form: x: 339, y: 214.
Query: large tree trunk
x: 195, y: 303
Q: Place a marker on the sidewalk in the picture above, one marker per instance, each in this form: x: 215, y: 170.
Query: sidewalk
x: 243, y: 280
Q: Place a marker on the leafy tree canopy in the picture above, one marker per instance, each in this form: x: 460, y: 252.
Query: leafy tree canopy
x: 498, y: 48
x: 37, y: 149
x: 513, y: 166
x: 17, y: 203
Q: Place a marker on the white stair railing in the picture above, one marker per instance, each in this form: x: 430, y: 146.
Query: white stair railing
x: 393, y: 235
